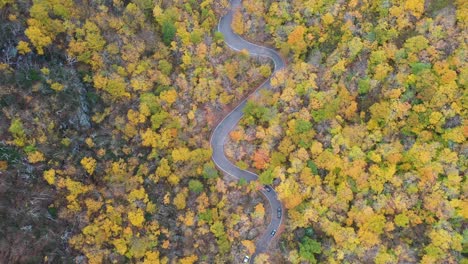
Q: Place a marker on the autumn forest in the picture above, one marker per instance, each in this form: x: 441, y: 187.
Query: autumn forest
x: 108, y: 108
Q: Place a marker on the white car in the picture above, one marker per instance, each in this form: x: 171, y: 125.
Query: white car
x: 246, y: 259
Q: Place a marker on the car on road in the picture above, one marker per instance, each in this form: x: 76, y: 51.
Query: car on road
x: 278, y: 212
x: 267, y: 188
x: 273, y: 232
x: 246, y: 259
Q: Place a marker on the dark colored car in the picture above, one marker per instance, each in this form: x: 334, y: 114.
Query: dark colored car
x: 278, y: 212
x: 267, y: 188
x: 273, y: 232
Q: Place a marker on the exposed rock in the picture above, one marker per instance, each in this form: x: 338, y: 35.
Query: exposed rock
x: 81, y: 119
x: 315, y: 58
x: 253, y: 233
x: 452, y: 122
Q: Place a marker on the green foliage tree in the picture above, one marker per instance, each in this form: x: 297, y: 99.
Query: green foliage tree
x: 17, y: 130
x: 266, y: 177
x: 308, y: 248
x: 195, y: 186
x: 168, y: 32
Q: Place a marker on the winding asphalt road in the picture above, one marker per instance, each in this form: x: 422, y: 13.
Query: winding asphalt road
x: 221, y: 132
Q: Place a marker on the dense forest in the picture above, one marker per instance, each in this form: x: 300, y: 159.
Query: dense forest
x: 107, y: 108
x: 365, y: 130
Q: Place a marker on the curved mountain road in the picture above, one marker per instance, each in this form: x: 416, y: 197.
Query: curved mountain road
x: 221, y: 132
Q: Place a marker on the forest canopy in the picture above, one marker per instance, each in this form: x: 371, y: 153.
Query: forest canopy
x: 107, y: 108
x: 366, y: 129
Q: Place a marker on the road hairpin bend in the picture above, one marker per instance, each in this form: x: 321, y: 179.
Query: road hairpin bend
x: 218, y: 138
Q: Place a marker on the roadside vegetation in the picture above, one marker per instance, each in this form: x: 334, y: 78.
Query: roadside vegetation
x: 364, y: 134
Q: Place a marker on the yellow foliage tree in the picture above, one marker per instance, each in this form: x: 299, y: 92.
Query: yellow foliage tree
x: 56, y: 86
x: 296, y: 40
x: 328, y: 19
x: 259, y: 211
x: 151, y: 258
x: 250, y: 245
x: 35, y: 157
x: 238, y: 23
x: 23, y: 47
x: 289, y: 193
x: 38, y: 38
x: 416, y: 7
x: 169, y: 96
x: 189, y: 260
x: 49, y: 176
x: 136, y: 218
x: 181, y: 154
x: 180, y: 199
x: 89, y: 164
